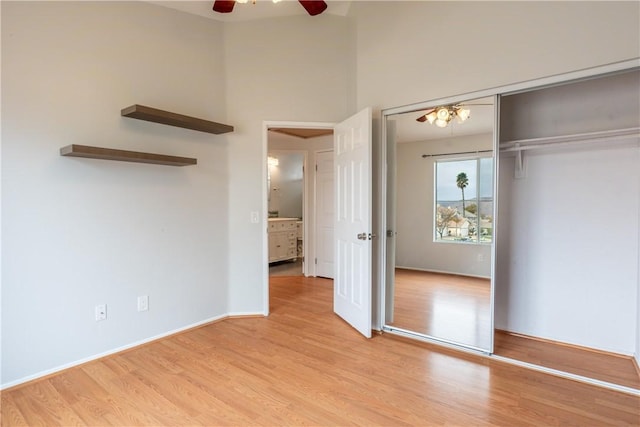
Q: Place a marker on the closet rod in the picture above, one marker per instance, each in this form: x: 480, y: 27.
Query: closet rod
x: 579, y: 138
x: 424, y: 156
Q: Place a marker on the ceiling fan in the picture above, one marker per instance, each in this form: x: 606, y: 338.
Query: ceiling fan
x: 443, y: 114
x: 313, y: 7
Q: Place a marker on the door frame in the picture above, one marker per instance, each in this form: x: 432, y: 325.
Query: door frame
x: 266, y: 125
x: 315, y: 209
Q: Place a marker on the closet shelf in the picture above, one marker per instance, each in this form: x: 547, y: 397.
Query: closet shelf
x: 149, y: 114
x: 555, y: 141
x: 124, y: 155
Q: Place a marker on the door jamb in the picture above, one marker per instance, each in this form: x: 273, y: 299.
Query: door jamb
x: 315, y: 208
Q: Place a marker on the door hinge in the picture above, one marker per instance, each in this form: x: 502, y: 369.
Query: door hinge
x: 316, y: 261
x: 316, y: 167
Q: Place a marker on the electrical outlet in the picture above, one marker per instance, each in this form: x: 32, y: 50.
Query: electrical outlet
x: 143, y: 303
x: 101, y: 312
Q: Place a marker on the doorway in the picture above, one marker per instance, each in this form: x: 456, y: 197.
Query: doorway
x: 353, y: 236
x: 290, y: 150
x: 286, y: 179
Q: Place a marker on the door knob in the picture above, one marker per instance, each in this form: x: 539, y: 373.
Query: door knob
x: 362, y: 236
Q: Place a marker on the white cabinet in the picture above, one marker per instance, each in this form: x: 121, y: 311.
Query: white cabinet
x: 299, y: 235
x: 283, y: 239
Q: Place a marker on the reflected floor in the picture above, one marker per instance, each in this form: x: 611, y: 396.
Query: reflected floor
x: 286, y: 268
x: 446, y: 306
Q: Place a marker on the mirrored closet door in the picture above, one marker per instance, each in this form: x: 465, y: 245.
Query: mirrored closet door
x: 440, y: 221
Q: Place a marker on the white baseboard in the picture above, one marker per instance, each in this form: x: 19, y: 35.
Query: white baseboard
x: 110, y: 352
x: 246, y: 314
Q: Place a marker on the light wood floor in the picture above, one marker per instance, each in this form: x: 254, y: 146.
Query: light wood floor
x: 458, y: 308
x: 304, y: 365
x: 448, y: 306
x: 580, y: 361
x: 286, y: 268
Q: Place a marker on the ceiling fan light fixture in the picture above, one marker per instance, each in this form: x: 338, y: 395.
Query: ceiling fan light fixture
x: 443, y: 114
x: 441, y: 123
x: 463, y: 113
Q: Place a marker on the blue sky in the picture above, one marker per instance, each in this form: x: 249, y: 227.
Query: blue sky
x: 446, y: 178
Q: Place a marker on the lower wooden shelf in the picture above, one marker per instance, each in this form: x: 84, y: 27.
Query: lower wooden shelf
x: 86, y: 151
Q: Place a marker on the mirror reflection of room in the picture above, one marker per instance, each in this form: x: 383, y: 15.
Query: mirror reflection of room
x: 442, y: 218
x: 285, y: 198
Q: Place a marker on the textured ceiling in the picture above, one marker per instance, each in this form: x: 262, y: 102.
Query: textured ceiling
x: 247, y: 12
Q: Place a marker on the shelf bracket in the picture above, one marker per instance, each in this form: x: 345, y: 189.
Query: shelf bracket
x: 519, y: 170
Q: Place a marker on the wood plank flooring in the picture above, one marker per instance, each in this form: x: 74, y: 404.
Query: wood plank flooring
x: 448, y: 306
x: 457, y: 308
x: 286, y: 268
x: 303, y: 365
x: 580, y: 361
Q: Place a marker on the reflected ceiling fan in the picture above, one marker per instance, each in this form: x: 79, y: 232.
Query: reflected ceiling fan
x: 442, y: 115
x: 313, y: 7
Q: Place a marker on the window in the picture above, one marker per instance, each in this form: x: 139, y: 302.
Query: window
x: 464, y: 200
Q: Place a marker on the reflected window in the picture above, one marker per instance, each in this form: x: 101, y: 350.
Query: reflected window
x: 464, y: 200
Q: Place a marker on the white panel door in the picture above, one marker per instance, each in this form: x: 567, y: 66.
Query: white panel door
x: 324, y: 214
x: 352, y: 282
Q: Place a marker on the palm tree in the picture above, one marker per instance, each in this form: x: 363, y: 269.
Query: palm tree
x: 462, y: 181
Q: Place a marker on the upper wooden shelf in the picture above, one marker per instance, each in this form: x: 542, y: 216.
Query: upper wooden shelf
x: 125, y: 155
x: 149, y: 114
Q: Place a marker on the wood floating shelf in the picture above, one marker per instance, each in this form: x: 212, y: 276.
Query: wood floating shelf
x: 124, y: 155
x: 149, y: 114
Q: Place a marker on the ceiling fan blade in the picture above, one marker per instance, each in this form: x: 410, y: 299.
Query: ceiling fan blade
x: 223, y: 6
x: 423, y: 118
x: 314, y: 7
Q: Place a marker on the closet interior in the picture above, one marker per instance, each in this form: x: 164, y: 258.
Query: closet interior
x: 567, y: 244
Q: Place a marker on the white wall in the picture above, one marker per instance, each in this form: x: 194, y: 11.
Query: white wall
x: 413, y: 51
x: 415, y: 247
x: 289, y: 69
x: 568, y: 247
x: 79, y: 232
x: 567, y: 266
